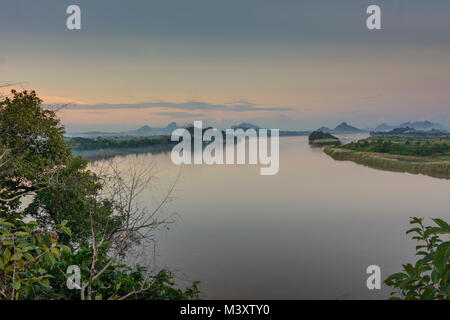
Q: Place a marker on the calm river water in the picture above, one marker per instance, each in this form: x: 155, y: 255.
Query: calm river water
x: 308, y: 232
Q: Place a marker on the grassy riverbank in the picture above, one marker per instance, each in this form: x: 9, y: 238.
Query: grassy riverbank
x: 438, y: 167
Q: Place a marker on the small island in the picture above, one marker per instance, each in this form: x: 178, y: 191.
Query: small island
x: 320, y: 138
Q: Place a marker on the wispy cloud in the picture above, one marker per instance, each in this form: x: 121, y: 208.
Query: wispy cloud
x: 189, y: 105
x: 180, y: 114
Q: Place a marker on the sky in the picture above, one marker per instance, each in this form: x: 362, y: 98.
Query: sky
x: 287, y: 64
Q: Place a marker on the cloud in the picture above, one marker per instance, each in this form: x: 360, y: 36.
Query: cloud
x: 180, y: 114
x: 189, y: 105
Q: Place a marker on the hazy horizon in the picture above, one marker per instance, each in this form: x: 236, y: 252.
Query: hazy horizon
x: 118, y: 128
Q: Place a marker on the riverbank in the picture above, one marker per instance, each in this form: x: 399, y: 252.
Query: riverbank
x: 325, y: 142
x: 107, y: 153
x: 438, y: 168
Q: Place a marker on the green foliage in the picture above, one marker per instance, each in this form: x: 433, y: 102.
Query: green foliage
x: 439, y: 169
x: 31, y: 147
x: 33, y: 264
x: 319, y: 138
x: 34, y: 160
x: 37, y: 161
x: 428, y: 278
x: 27, y: 253
x: 79, y: 143
x: 71, y: 198
x: 426, y: 147
x: 118, y: 280
x: 319, y: 135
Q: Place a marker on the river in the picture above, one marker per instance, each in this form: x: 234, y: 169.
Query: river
x: 309, y: 232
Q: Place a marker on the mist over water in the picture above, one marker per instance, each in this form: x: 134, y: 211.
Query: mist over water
x: 308, y: 232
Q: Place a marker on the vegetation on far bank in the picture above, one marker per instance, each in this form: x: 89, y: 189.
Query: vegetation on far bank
x: 407, y: 132
x: 421, y: 147
x: 79, y: 143
x: 429, y: 156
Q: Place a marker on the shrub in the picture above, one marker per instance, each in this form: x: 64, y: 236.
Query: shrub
x: 27, y: 252
x: 428, y: 278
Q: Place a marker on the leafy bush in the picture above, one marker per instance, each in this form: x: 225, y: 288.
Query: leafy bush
x: 26, y: 254
x: 119, y: 281
x: 428, y: 278
x: 33, y: 265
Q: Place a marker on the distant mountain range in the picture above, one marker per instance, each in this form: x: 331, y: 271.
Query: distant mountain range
x: 142, y: 131
x: 344, y: 127
x: 411, y: 132
x: 148, y: 131
x: 384, y: 127
x: 417, y: 125
x: 245, y: 126
x: 167, y: 130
